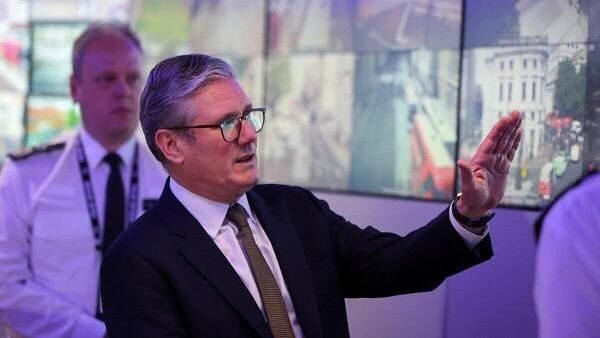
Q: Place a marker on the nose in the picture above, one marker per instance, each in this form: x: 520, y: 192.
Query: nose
x: 121, y: 87
x: 247, y: 132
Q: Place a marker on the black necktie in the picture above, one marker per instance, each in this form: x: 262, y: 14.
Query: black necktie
x: 277, y: 316
x: 114, y: 209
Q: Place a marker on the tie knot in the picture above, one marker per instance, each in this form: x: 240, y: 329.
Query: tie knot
x: 237, y: 214
x: 113, y: 159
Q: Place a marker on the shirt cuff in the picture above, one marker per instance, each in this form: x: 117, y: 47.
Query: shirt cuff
x: 88, y: 326
x: 471, y: 240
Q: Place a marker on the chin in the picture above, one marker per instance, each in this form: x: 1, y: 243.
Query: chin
x: 247, y: 183
x: 251, y: 183
x: 126, y: 130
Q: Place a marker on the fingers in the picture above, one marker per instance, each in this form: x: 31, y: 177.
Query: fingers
x: 489, y: 143
x: 515, y: 145
x: 509, y: 137
x: 503, y: 139
x: 466, y: 175
x: 510, y: 124
x: 504, y: 161
x: 499, y: 136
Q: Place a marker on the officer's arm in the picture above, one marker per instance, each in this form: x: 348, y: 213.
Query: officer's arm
x: 27, y: 306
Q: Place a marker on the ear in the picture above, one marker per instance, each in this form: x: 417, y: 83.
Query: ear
x: 74, y: 86
x: 170, y: 145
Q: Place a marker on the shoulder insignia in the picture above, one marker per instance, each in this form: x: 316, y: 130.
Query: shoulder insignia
x: 41, y: 149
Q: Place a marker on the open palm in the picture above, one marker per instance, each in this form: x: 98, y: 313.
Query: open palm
x: 484, y: 177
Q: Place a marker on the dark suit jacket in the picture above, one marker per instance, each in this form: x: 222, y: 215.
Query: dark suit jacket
x: 165, y: 277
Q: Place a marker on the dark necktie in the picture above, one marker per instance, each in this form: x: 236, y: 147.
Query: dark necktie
x: 114, y: 209
x: 271, y: 297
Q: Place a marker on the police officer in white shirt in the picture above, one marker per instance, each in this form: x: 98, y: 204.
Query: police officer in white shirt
x: 53, y: 198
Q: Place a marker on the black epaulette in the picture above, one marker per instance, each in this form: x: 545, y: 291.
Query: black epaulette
x: 591, y: 170
x: 41, y: 149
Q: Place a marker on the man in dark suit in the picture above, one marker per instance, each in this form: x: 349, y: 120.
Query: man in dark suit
x: 220, y: 256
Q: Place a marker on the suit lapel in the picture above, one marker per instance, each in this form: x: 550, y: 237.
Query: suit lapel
x: 202, y: 253
x: 292, y: 263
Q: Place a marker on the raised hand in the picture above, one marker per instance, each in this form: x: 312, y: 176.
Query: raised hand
x: 484, y: 177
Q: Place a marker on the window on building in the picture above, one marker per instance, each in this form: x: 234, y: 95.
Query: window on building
x: 510, y: 65
x: 510, y: 91
x: 531, y: 137
x: 524, y: 63
x: 533, y: 91
x: 501, y: 65
x: 500, y: 92
x: 523, y: 90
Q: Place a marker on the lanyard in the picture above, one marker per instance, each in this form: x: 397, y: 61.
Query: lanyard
x: 90, y: 198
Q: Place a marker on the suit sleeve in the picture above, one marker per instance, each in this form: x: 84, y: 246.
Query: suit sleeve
x: 379, y: 264
x: 26, y: 305
x: 137, y: 299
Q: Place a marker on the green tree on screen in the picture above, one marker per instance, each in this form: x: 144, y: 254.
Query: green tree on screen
x: 570, y: 89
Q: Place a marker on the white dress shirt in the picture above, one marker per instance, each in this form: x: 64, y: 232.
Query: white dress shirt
x: 99, y: 170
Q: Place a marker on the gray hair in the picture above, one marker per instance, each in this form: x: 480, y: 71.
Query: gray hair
x: 170, y: 83
x: 94, y: 31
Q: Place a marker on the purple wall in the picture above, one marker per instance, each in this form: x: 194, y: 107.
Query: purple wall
x: 491, y: 300
x: 496, y: 299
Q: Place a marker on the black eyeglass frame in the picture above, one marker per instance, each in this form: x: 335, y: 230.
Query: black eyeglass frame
x: 242, y: 118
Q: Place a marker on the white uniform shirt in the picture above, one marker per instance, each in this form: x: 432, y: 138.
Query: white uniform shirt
x: 99, y: 170
x: 48, y: 259
x: 567, y: 276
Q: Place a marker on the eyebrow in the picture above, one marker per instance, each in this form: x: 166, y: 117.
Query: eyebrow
x: 235, y: 113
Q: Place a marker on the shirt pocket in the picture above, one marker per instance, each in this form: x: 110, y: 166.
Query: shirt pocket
x: 63, y: 249
x: 62, y: 226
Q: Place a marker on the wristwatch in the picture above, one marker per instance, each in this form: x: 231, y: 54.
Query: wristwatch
x: 470, y: 222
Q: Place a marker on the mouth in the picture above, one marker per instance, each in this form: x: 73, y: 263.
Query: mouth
x: 122, y: 110
x: 245, y: 159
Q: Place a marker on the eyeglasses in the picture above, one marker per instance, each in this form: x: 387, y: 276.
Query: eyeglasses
x: 231, y: 126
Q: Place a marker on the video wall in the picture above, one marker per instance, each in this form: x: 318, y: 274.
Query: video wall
x: 542, y: 59
x: 363, y: 96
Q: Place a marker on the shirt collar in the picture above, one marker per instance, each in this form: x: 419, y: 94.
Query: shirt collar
x: 210, y: 214
x: 95, y: 152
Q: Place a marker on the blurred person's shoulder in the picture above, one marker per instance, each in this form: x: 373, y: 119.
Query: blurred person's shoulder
x: 575, y: 217
x: 586, y: 191
x: 579, y: 199
x: 37, y: 161
x: 578, y: 203
x: 36, y: 153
